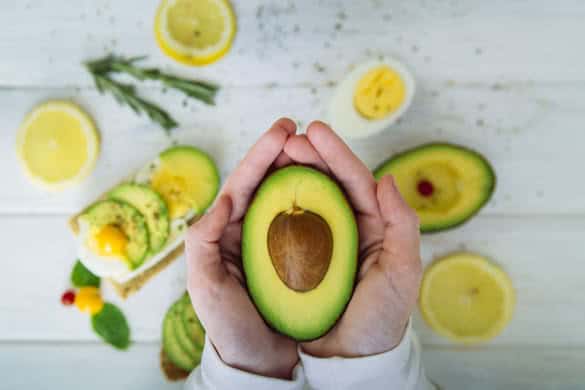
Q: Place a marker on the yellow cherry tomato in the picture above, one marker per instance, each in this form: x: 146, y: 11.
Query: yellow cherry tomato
x: 89, y: 300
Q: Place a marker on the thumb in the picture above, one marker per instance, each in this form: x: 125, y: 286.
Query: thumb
x: 394, y: 209
x: 211, y: 226
x: 400, y: 249
x: 202, y: 241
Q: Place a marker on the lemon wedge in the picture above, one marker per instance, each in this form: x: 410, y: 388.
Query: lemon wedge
x: 466, y: 298
x: 195, y: 32
x: 57, y: 145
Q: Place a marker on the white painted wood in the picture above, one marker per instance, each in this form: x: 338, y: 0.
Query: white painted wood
x: 94, y: 366
x: 42, y: 43
x: 90, y: 366
x: 541, y: 254
x: 503, y: 77
x: 506, y: 368
x: 533, y: 135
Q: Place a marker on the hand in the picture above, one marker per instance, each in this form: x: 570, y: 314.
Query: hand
x: 389, y: 260
x: 215, y: 280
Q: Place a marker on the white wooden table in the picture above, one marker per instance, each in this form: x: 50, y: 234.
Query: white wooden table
x: 505, y: 77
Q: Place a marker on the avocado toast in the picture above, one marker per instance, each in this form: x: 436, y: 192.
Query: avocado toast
x: 136, y: 229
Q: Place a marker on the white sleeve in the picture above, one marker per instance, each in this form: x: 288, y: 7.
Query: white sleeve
x: 213, y: 373
x: 400, y: 368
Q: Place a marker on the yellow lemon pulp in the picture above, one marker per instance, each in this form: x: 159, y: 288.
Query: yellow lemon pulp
x: 89, y: 300
x: 57, y: 144
x: 110, y: 241
x: 466, y: 298
x: 195, y: 32
x: 380, y: 92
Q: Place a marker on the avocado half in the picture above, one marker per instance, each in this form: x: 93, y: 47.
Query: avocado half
x: 299, y: 251
x: 445, y: 184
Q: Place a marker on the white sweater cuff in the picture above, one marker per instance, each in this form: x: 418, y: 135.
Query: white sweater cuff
x: 213, y: 373
x: 399, y: 368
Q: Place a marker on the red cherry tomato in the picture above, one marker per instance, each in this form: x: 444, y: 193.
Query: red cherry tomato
x: 68, y: 298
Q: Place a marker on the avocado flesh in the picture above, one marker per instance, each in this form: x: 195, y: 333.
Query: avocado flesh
x: 192, y: 326
x: 185, y: 341
x: 128, y: 219
x: 302, y: 315
x: 152, y: 206
x: 187, y: 179
x: 170, y: 340
x: 446, y: 184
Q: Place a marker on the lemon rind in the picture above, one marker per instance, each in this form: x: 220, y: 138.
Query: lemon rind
x: 186, y: 55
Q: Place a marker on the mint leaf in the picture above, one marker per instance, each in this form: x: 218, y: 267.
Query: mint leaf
x: 111, y: 325
x: 82, y: 277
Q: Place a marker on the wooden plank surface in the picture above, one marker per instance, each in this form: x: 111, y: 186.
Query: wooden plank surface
x: 529, y: 147
x: 96, y: 367
x: 506, y: 78
x: 540, y: 254
x: 288, y: 42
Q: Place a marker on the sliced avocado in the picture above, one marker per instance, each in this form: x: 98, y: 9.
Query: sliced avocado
x: 187, y: 179
x: 446, y: 184
x: 171, y: 345
x: 185, y: 340
x: 192, y: 325
x: 128, y: 219
x: 151, y: 205
x: 299, y: 251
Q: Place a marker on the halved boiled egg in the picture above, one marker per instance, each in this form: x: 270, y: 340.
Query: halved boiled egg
x: 371, y: 98
x: 103, y: 250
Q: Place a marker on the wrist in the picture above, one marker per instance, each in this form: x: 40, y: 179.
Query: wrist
x: 347, y: 347
x: 272, y: 363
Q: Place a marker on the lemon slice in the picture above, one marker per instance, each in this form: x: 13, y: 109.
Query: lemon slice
x: 466, y: 298
x: 57, y: 145
x: 195, y: 32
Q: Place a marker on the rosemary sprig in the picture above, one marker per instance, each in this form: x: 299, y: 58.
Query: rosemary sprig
x: 196, y: 89
x: 125, y: 94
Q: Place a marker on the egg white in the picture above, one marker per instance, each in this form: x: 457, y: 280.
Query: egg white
x: 342, y: 115
x: 118, y: 269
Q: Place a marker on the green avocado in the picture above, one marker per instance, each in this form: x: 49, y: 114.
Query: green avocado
x: 125, y: 217
x: 192, y: 325
x: 187, y: 179
x: 299, y: 251
x: 170, y: 340
x: 151, y: 205
x: 445, y: 184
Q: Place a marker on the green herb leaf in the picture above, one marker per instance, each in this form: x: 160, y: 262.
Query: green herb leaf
x: 125, y: 94
x: 111, y: 325
x: 201, y: 90
x: 82, y: 277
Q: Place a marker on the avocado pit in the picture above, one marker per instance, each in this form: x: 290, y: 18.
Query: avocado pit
x: 300, y: 245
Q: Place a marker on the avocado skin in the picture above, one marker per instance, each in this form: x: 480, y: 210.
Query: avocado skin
x: 488, y: 169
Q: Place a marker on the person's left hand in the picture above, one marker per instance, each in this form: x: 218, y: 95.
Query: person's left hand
x: 389, y: 262
x: 215, y: 279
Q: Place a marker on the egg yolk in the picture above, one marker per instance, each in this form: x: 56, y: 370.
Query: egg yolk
x: 110, y: 241
x: 174, y: 191
x: 89, y: 300
x: 379, y: 93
